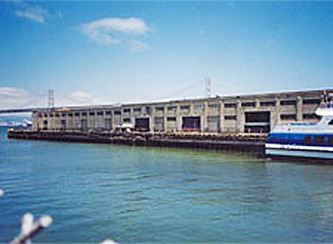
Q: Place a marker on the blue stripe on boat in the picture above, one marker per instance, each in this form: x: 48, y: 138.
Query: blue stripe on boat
x: 304, y: 139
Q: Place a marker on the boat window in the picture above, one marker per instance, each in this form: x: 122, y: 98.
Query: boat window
x: 307, y: 139
x: 331, y: 122
x: 319, y: 139
x: 330, y: 140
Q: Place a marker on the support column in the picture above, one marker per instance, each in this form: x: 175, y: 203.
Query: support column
x: 204, y: 126
x: 179, y: 119
x: 275, y: 118
x: 165, y: 127
x: 299, y: 108
x: 152, y: 118
x: 239, y: 121
x: 257, y: 101
x: 221, y: 114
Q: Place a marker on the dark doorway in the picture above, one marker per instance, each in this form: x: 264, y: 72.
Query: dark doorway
x: 45, y: 125
x: 63, y: 124
x: 257, y: 122
x: 142, y: 124
x: 191, y: 123
x: 108, y: 124
x: 84, y: 125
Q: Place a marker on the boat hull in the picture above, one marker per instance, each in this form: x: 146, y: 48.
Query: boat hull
x: 300, y: 151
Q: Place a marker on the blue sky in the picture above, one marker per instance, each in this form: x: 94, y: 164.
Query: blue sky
x: 109, y: 52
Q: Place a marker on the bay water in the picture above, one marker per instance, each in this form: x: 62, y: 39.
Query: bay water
x: 144, y: 194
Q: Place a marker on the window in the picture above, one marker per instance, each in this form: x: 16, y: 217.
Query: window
x: 100, y: 113
x: 267, y: 104
x: 108, y: 112
x: 137, y: 110
x: 331, y: 122
x: 57, y: 115
x: 159, y: 108
x: 230, y: 105
x: 310, y: 116
x: 127, y: 120
x: 185, y: 107
x: 77, y: 114
x: 230, y: 117
x: 40, y: 115
x: 288, y: 103
x: 330, y: 140
x: 213, y: 105
x: 311, y: 101
x: 148, y: 109
x: 45, y: 115
x: 51, y: 115
x: 248, y: 104
x: 117, y: 112
x: 91, y: 113
x: 45, y: 122
x: 319, y: 140
x: 127, y: 110
x: 171, y: 119
x: 63, y: 115
x: 70, y: 115
x: 171, y: 108
x: 199, y: 106
x: 307, y: 139
x: 84, y: 114
x: 288, y: 116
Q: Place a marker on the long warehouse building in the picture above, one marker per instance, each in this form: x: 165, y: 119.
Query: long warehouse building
x: 227, y: 114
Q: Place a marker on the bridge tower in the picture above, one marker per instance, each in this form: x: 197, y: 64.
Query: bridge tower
x: 208, y: 87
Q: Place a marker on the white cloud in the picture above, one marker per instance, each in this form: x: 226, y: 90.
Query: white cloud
x: 36, y: 14
x: 11, y: 97
x: 115, y: 31
x: 11, y: 92
x: 14, y: 98
x: 138, y: 46
x: 133, y: 26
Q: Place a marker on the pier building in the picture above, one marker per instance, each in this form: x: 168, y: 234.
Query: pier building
x: 221, y: 114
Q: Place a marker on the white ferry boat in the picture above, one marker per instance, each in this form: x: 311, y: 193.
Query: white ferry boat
x: 304, y: 140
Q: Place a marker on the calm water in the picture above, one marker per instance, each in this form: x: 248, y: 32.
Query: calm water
x: 130, y: 194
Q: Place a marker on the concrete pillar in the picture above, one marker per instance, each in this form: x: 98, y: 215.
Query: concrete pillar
x: 221, y: 114
x: 299, y: 108
x: 152, y: 118
x: 165, y: 118
x: 239, y: 121
x: 275, y: 116
x: 257, y: 101
x: 204, y: 126
x: 179, y: 119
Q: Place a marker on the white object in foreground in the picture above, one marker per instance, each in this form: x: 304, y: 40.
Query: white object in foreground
x: 29, y: 228
x: 108, y: 241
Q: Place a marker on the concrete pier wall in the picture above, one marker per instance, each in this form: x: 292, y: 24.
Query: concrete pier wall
x: 244, y: 143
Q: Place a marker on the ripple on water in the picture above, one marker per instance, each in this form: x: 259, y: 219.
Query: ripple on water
x: 135, y: 195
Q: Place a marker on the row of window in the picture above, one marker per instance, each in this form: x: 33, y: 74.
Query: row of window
x: 196, y: 107
x: 118, y: 112
x: 301, y: 139
x: 273, y: 103
x: 293, y: 116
